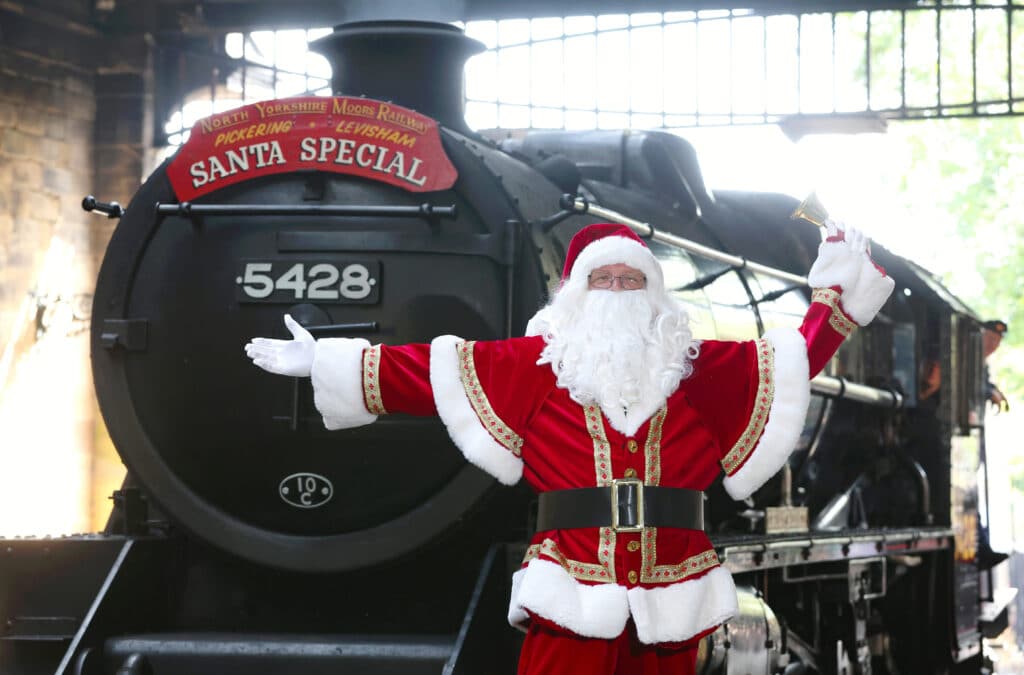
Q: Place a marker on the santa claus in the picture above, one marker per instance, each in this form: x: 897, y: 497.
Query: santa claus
x: 619, y: 419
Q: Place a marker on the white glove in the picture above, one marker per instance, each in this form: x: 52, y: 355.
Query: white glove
x: 844, y: 260
x: 857, y: 240
x: 833, y: 228
x: 284, y: 357
x: 840, y: 257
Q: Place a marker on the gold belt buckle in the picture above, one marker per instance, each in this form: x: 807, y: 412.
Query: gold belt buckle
x: 638, y: 486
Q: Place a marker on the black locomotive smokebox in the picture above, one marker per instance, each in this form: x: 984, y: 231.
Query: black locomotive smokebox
x: 417, y: 64
x: 240, y: 457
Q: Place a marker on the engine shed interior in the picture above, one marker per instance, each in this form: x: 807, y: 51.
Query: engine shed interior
x: 217, y: 524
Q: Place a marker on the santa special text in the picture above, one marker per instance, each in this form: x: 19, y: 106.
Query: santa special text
x: 323, y: 150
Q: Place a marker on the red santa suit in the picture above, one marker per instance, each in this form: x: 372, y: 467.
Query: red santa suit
x: 740, y: 411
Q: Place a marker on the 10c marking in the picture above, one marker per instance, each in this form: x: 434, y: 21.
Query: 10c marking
x: 318, y: 281
x: 306, y: 490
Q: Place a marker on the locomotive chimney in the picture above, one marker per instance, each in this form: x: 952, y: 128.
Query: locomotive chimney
x: 416, y: 64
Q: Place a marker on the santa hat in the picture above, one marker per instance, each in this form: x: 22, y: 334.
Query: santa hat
x: 596, y: 246
x: 609, y: 244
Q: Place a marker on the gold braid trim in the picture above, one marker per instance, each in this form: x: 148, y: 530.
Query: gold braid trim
x: 577, y: 569
x: 652, y: 449
x: 371, y: 381
x: 602, y: 449
x: 652, y: 573
x: 606, y: 551
x: 839, y: 322
x: 594, y: 419
x: 478, y: 399
x: 762, y: 404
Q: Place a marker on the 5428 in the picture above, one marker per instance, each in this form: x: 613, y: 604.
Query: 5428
x: 289, y: 281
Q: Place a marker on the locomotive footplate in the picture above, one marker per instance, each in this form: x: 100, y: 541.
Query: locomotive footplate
x: 233, y: 653
x: 759, y: 552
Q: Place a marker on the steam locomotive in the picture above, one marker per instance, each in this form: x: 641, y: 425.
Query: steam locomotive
x: 247, y: 538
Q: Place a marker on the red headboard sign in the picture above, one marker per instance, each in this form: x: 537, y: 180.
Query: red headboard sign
x: 357, y: 136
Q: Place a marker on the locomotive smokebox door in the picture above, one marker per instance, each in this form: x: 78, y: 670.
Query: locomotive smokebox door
x: 216, y: 247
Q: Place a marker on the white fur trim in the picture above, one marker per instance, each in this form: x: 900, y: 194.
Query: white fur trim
x: 682, y: 610
x: 864, y: 289
x: 464, y: 427
x: 338, y: 382
x: 539, y: 322
x: 785, y: 417
x: 626, y: 423
x: 517, y: 616
x: 867, y: 295
x: 546, y: 589
x: 614, y: 250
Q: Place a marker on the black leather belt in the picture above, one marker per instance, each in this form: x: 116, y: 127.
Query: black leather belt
x: 626, y: 506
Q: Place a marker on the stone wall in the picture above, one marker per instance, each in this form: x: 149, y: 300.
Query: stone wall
x: 72, y: 122
x: 47, y: 111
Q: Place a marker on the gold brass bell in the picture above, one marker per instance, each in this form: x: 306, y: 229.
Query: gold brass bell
x: 811, y: 210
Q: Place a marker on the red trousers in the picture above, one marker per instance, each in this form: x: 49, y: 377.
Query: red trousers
x: 552, y: 650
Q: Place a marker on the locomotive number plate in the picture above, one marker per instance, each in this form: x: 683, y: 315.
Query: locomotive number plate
x: 287, y: 281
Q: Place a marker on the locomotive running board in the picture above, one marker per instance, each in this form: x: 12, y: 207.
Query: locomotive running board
x: 740, y: 555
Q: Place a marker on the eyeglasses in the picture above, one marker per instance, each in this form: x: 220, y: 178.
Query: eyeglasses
x: 627, y: 282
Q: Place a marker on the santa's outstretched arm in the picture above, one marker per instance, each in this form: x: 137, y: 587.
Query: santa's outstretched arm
x: 848, y: 290
x: 484, y: 392
x: 754, y: 395
x: 347, y: 374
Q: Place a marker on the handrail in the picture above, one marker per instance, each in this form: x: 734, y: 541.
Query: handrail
x: 581, y: 206
x: 835, y: 387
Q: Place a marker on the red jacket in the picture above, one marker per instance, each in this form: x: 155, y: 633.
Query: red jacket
x: 741, y: 411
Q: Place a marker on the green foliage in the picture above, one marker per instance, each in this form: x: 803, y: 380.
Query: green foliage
x: 973, y: 167
x: 956, y: 185
x: 962, y: 173
x: 968, y: 170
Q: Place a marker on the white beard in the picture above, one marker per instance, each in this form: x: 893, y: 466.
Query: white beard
x: 618, y: 350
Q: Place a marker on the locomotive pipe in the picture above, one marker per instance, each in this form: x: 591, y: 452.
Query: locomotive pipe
x: 365, y: 327
x: 837, y: 387
x: 924, y: 485
x: 581, y: 206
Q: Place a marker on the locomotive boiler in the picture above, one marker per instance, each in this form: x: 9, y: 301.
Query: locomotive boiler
x: 247, y: 538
